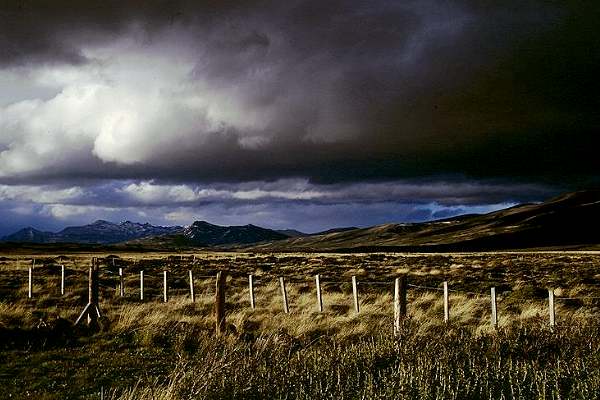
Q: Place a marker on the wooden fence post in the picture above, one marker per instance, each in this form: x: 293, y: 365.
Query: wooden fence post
x: 192, y: 294
x: 446, y: 304
x: 91, y: 310
x: 355, y: 294
x: 319, y: 297
x: 62, y: 280
x: 220, y: 303
x: 551, y: 308
x: 251, y: 288
x: 142, y: 285
x: 30, y: 284
x: 399, y: 302
x: 92, y: 294
x: 286, y: 309
x: 396, y: 306
x: 121, y: 282
x: 494, y: 308
x: 165, y: 287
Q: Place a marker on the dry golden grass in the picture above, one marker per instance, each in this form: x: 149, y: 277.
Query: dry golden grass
x: 184, y: 329
x: 572, y: 274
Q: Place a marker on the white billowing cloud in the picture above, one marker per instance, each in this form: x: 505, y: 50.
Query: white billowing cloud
x: 149, y: 192
x: 257, y: 194
x: 134, y: 104
x: 40, y: 194
x: 67, y: 211
x: 286, y: 189
x: 102, y: 111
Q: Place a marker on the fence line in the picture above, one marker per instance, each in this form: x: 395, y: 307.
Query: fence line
x: 399, y: 293
x: 425, y: 287
x: 70, y: 274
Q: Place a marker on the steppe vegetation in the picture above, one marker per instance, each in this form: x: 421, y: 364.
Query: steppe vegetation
x: 154, y: 350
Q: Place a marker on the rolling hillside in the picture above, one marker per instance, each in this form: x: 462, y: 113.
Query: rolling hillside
x: 567, y: 220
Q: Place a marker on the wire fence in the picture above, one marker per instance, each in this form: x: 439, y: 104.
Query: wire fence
x: 19, y: 277
x: 116, y: 275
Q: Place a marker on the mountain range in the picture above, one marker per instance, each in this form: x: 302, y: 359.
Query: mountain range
x: 200, y: 233
x: 568, y: 220
x: 102, y: 232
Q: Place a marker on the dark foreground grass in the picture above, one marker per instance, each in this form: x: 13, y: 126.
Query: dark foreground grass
x: 182, y: 362
x: 445, y: 364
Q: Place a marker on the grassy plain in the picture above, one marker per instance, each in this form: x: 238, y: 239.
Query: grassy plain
x: 153, y: 350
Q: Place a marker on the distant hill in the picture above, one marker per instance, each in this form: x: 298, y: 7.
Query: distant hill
x: 295, y: 233
x: 334, y: 230
x: 292, y: 233
x: 29, y: 235
x: 101, y: 232
x: 568, y: 220
x: 204, y: 234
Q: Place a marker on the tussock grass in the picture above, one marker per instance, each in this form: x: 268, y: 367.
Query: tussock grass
x: 449, y: 363
x: 156, y: 350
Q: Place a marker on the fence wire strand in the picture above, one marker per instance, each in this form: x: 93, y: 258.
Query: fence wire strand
x: 75, y: 274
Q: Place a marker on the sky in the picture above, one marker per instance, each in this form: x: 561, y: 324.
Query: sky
x: 292, y: 114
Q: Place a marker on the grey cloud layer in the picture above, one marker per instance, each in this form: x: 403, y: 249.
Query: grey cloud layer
x: 280, y: 204
x: 332, y: 91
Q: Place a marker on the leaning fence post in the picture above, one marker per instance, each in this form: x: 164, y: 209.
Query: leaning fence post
x: 355, y: 294
x: 399, y: 302
x: 286, y: 309
x: 446, y: 304
x: 62, y: 280
x: 251, y: 288
x: 551, y: 307
x: 319, y: 297
x: 192, y: 295
x: 142, y: 285
x: 92, y: 310
x: 30, y: 284
x: 165, y: 287
x: 121, y: 282
x: 220, y: 302
x: 494, y: 308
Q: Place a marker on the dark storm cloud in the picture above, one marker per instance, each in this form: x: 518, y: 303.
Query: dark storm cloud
x: 353, y: 91
x: 42, y: 31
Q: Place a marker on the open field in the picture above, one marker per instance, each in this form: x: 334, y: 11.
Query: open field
x: 150, y: 349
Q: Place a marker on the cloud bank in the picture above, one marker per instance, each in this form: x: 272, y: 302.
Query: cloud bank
x: 186, y: 104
